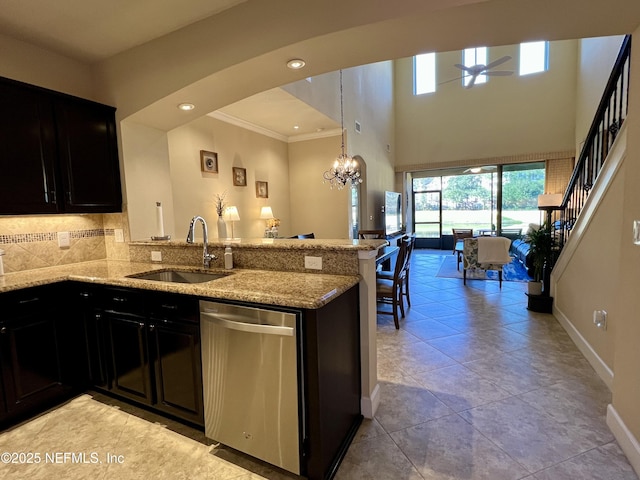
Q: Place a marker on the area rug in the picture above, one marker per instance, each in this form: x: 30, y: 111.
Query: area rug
x: 512, y: 272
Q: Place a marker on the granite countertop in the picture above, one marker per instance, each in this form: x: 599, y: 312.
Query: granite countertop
x: 289, y: 289
x: 277, y: 243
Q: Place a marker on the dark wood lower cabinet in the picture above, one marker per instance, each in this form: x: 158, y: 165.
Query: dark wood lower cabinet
x: 146, y: 347
x: 151, y: 344
x: 178, y: 368
x: 333, y: 382
x: 130, y: 369
x: 29, y: 352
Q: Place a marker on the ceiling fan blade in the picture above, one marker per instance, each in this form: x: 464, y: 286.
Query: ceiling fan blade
x: 497, y: 62
x: 499, y: 73
x: 471, y: 82
x: 462, y: 67
x: 457, y: 79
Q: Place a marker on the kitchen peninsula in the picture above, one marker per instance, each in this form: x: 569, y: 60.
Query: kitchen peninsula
x: 269, y: 274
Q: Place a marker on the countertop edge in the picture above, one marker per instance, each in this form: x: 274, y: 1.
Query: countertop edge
x: 337, y: 284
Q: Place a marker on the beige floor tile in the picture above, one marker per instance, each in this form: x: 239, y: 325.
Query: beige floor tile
x: 450, y: 448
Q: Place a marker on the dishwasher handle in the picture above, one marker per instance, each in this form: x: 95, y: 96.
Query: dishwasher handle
x: 220, y: 320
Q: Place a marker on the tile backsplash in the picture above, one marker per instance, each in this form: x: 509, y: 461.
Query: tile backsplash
x: 32, y: 241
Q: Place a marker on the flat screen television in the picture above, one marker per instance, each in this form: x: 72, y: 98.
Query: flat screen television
x: 392, y: 212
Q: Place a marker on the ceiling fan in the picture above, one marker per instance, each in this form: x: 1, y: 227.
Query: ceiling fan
x: 485, y: 168
x: 476, y: 70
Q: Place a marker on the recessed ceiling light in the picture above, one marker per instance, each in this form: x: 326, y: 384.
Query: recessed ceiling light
x: 296, y: 64
x: 296, y: 127
x: 186, y: 106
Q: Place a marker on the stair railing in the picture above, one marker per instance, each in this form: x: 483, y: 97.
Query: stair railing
x: 611, y: 114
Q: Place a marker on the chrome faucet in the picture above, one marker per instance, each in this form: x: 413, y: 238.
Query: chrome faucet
x: 206, y: 256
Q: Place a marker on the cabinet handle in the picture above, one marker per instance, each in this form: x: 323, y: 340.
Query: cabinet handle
x: 119, y: 299
x: 53, y: 197
x: 31, y: 300
x: 141, y: 325
x: 3, y: 330
x: 169, y: 307
x: 69, y: 196
x: 98, y: 316
x: 85, y: 294
x: 152, y: 328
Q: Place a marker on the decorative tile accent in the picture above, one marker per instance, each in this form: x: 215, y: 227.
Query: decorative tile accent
x: 52, y: 236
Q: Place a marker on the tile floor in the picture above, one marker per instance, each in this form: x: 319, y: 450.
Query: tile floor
x: 473, y: 386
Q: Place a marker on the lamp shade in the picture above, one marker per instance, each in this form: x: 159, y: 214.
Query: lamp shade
x: 266, y: 213
x: 232, y: 213
x: 549, y: 200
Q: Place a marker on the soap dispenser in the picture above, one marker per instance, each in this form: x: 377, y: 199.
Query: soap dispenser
x: 228, y: 258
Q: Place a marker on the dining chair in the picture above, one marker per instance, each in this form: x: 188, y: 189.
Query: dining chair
x: 387, y: 274
x: 389, y: 291
x: 459, y: 234
x: 485, y: 253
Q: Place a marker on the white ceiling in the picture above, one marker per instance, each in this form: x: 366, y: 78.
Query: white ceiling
x: 91, y: 31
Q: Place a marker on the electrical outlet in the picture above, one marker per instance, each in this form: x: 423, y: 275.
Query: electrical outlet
x: 313, y: 263
x: 600, y: 319
x: 64, y: 240
x: 156, y: 256
x: 119, y: 233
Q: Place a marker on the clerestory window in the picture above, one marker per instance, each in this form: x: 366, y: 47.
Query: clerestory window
x: 534, y: 57
x: 472, y: 57
x: 424, y: 73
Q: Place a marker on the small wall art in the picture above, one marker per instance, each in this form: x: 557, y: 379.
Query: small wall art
x: 262, y: 190
x: 208, y: 161
x: 239, y: 177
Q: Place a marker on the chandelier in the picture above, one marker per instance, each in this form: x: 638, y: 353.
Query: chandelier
x: 345, y: 169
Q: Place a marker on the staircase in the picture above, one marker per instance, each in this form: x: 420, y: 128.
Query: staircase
x: 608, y: 120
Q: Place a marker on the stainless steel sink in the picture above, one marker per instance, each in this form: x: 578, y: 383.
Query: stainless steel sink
x: 179, y: 276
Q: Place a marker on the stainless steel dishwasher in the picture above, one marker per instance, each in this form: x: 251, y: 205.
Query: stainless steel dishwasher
x: 250, y: 380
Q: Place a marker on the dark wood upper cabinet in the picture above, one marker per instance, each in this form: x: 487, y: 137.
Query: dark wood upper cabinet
x: 58, y: 153
x: 88, y: 155
x: 27, y: 151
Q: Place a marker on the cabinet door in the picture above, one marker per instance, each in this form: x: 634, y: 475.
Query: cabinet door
x: 88, y: 154
x: 27, y: 151
x: 31, y: 364
x: 178, y: 368
x: 80, y: 327
x: 130, y: 369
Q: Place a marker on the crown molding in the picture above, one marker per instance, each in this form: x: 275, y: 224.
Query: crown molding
x: 238, y: 122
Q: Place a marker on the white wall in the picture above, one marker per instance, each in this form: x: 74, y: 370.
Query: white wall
x: 507, y: 116
x: 596, y: 57
x: 314, y: 206
x: 27, y: 63
x: 368, y: 99
x: 194, y: 191
x: 147, y: 178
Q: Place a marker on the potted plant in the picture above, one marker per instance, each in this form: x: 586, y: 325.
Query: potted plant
x: 541, y: 245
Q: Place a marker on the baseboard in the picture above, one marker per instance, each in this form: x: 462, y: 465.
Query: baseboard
x: 601, y: 368
x: 369, y: 405
x: 628, y: 443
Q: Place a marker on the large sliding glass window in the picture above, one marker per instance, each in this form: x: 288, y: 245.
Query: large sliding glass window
x: 469, y: 198
x: 427, y: 205
x: 468, y: 201
x: 521, y: 185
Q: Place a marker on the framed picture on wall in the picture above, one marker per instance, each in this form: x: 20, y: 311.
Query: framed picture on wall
x: 262, y: 190
x: 239, y: 177
x: 208, y: 161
